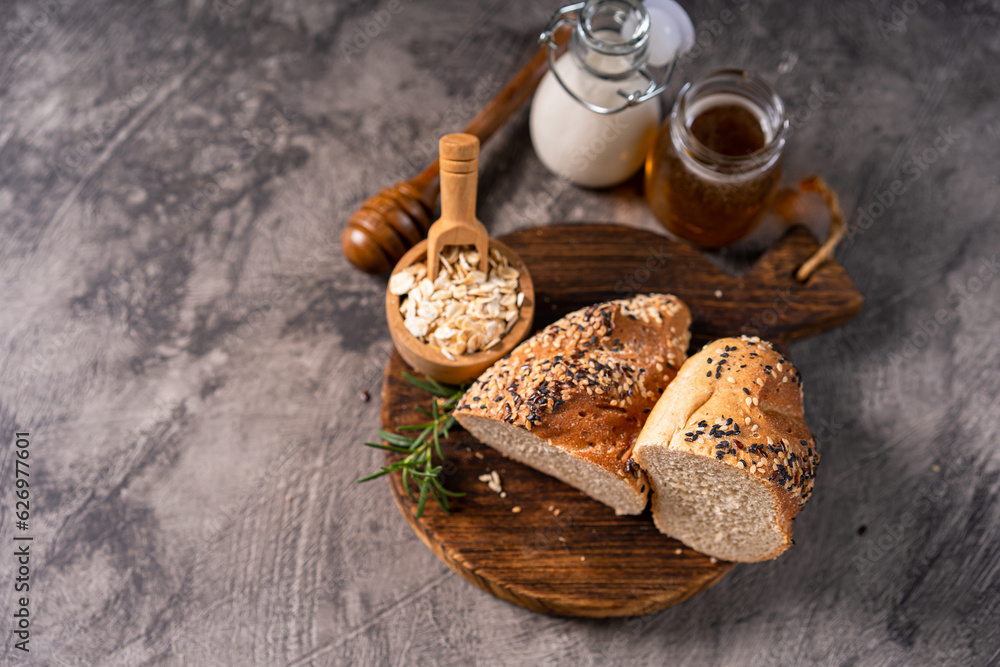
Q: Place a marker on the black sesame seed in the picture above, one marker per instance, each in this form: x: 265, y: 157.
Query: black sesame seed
x: 746, y: 391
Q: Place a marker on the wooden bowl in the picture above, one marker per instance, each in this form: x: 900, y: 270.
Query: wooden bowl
x: 429, y: 360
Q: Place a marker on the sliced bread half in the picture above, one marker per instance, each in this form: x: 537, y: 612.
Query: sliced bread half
x: 571, y: 400
x: 728, y: 453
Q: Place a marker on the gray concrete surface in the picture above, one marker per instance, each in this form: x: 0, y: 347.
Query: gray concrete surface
x: 187, y: 348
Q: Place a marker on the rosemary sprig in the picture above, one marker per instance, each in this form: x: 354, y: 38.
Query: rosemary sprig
x: 418, y: 464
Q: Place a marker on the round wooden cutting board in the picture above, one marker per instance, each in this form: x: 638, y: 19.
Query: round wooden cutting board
x: 545, y: 545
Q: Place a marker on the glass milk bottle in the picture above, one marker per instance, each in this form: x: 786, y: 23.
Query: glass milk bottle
x: 595, y: 113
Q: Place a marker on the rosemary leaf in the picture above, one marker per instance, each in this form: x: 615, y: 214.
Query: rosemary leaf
x: 375, y: 475
x: 430, y: 386
x: 406, y: 483
x: 423, y: 500
x: 441, y: 499
x: 414, y: 427
x: 388, y: 448
x: 418, y: 466
x: 395, y: 438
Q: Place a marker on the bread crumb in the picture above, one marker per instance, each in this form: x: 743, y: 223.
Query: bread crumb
x: 562, y: 539
x: 935, y: 468
x: 557, y: 512
x: 713, y: 560
x: 718, y: 294
x: 583, y: 558
x: 479, y: 455
x: 551, y: 508
x: 516, y: 509
x: 503, y: 494
x: 678, y: 551
x: 493, y: 481
x: 288, y: 499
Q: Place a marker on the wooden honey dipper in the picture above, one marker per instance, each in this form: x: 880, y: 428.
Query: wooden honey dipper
x: 398, y: 217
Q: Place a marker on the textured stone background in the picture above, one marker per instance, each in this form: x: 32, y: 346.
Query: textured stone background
x: 183, y: 340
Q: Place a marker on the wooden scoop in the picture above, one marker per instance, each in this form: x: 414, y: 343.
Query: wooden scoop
x: 458, y: 224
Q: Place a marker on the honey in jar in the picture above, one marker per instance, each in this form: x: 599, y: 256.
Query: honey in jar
x: 716, y: 162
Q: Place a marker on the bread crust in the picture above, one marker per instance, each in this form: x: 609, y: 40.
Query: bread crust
x: 739, y: 401
x: 587, y: 382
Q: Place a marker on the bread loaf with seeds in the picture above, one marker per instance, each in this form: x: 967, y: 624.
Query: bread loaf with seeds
x: 728, y: 453
x: 570, y: 401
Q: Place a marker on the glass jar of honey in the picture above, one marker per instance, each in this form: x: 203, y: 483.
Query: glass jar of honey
x: 716, y: 162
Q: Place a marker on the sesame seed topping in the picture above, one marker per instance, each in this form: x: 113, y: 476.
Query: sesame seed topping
x: 539, y: 376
